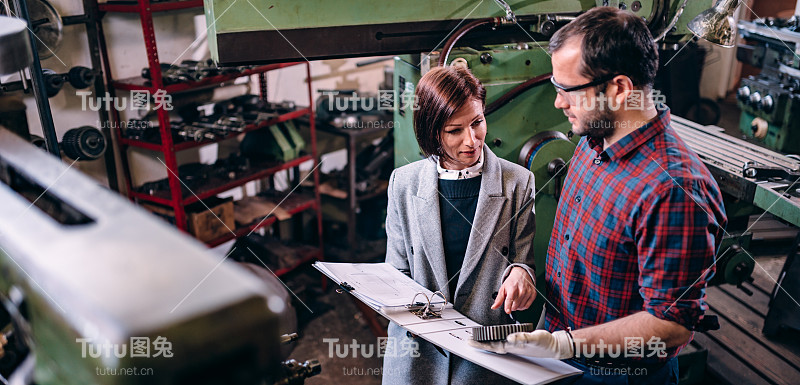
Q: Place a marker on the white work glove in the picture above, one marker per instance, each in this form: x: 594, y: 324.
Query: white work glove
x: 540, y: 344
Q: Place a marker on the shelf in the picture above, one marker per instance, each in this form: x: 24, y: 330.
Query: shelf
x: 139, y: 83
x: 293, y: 205
x: 337, y: 193
x: 133, y: 6
x: 308, y: 256
x: 192, y: 144
x: 217, y: 185
x: 356, y: 132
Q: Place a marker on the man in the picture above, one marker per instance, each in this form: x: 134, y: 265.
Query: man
x: 639, y: 219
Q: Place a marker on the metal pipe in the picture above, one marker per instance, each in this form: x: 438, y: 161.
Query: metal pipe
x: 39, y: 90
x: 674, y: 21
x: 510, y: 17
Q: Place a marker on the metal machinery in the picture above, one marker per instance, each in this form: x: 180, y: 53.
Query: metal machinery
x: 770, y: 101
x: 503, y: 45
x: 79, y: 285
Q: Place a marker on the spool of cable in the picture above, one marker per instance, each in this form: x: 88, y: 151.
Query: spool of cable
x: 83, y: 143
x: 499, y: 332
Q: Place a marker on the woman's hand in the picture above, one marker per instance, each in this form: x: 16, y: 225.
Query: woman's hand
x: 517, y: 291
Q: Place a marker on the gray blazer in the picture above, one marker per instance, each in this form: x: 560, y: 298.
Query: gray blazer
x: 501, y: 238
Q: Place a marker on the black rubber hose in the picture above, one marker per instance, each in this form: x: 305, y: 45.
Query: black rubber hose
x: 448, y: 46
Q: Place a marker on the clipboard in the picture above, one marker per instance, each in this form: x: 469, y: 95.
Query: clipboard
x: 394, y: 295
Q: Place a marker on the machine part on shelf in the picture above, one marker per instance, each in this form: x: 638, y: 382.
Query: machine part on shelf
x: 197, y: 134
x: 192, y: 71
x: 373, y: 163
x: 81, y: 77
x: 53, y: 82
x: 15, y: 48
x: 296, y: 373
x: 195, y: 175
x: 139, y: 129
x: 47, y: 26
x: 279, y: 142
x: 83, y: 143
x: 499, y: 332
x: 716, y: 25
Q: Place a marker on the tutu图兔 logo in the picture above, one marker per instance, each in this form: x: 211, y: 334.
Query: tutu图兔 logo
x: 139, y: 347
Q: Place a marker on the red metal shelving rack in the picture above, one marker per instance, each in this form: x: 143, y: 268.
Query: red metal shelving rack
x: 175, y: 197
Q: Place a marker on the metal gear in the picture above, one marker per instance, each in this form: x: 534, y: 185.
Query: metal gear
x: 499, y: 332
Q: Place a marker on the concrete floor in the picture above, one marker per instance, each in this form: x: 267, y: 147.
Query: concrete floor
x: 336, y: 316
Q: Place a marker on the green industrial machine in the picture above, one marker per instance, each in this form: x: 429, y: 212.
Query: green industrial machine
x: 769, y: 100
x: 285, y: 30
x: 502, y: 43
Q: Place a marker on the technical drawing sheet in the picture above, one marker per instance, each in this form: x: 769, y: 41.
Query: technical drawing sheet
x: 386, y: 290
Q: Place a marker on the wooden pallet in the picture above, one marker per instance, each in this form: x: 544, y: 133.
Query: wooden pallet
x: 739, y: 353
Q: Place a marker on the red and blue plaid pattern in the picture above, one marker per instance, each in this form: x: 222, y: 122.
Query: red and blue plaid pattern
x: 637, y: 228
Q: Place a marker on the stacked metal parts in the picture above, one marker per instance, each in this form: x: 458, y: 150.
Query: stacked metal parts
x: 229, y: 117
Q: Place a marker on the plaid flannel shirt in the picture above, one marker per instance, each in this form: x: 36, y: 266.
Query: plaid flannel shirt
x: 637, y: 228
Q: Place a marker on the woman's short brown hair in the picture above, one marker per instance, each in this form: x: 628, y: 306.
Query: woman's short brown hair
x: 440, y: 93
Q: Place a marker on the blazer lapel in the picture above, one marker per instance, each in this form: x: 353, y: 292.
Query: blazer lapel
x: 426, y: 207
x: 487, y: 213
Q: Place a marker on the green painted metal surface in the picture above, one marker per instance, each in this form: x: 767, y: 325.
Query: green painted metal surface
x: 770, y: 200
x: 253, y: 15
x: 783, y: 132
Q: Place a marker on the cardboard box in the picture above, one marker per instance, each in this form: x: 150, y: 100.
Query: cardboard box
x: 210, y: 223
x: 206, y: 225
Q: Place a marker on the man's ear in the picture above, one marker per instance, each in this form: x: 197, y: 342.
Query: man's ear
x: 623, y: 90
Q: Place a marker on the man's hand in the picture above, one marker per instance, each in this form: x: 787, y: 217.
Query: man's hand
x: 517, y: 291
x: 540, y: 344
x: 3, y: 342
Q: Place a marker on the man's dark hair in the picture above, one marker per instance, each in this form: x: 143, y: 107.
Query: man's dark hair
x: 613, y: 42
x: 440, y: 93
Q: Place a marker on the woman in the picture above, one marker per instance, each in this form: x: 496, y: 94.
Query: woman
x: 432, y: 206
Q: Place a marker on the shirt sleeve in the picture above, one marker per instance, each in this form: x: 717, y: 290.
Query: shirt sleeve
x: 677, y: 240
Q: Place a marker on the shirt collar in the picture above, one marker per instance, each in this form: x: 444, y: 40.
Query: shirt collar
x: 635, y: 139
x: 469, y: 172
